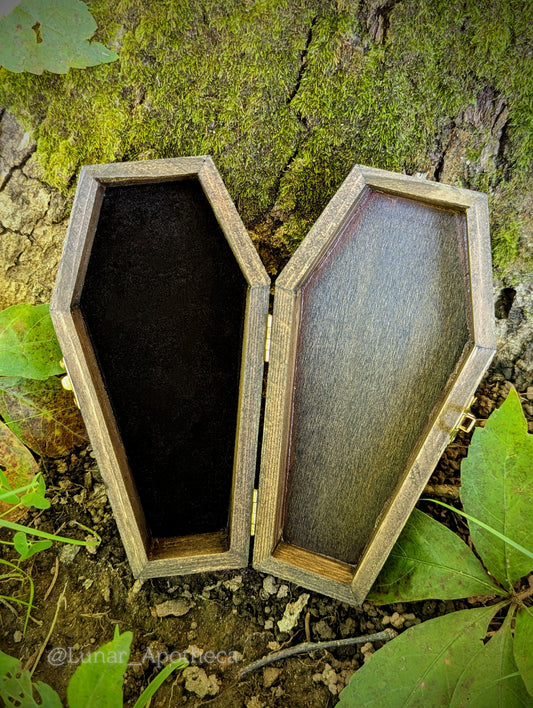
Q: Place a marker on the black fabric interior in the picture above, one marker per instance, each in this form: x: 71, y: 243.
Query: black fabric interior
x: 164, y: 303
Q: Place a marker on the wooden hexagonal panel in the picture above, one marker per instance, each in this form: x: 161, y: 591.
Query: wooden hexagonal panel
x: 159, y: 282
x: 382, y: 330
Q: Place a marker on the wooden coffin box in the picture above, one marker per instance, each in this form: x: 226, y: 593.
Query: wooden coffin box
x: 382, y: 328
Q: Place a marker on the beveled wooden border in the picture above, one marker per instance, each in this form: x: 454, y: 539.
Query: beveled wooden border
x: 271, y: 553
x: 149, y: 558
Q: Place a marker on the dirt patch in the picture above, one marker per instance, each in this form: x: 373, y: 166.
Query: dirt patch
x: 213, y: 618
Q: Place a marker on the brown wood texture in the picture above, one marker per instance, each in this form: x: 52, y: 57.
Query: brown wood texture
x: 228, y: 549
x: 382, y: 330
x: 382, y: 326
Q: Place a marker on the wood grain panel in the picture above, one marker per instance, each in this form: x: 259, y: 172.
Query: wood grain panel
x: 382, y: 326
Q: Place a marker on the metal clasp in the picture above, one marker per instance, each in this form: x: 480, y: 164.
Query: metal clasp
x: 467, y: 423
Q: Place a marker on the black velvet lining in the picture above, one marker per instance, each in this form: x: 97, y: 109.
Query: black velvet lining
x: 164, y: 303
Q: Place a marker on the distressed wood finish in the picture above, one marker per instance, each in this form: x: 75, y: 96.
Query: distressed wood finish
x: 382, y: 329
x: 150, y: 554
x: 335, y: 493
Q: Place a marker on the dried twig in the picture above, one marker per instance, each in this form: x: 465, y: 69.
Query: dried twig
x: 43, y: 645
x: 51, y: 586
x: 308, y: 626
x: 313, y: 646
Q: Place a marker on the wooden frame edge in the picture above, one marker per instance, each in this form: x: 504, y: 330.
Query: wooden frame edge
x: 278, y: 402
x: 406, y: 497
x: 84, y: 372
x: 480, y: 266
x: 248, y: 415
x: 425, y: 190
x: 231, y: 224
x: 104, y: 436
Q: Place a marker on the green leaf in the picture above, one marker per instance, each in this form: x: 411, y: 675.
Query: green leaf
x: 19, y: 471
x: 152, y: 687
x: 28, y: 342
x: 27, y: 550
x: 490, y: 678
x: 51, y: 35
x: 429, y: 561
x: 16, y: 688
x: 98, y: 680
x: 20, y: 542
x: 497, y: 489
x: 36, y: 497
x: 43, y: 415
x: 523, y: 645
x: 422, y: 666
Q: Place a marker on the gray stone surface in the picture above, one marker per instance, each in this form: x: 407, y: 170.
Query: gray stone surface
x: 16, y: 145
x: 514, y: 329
x: 23, y: 202
x: 33, y: 221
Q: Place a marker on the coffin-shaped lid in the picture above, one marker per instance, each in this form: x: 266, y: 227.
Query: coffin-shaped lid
x: 382, y: 329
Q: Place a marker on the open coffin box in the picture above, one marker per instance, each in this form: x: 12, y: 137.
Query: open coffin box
x: 382, y: 328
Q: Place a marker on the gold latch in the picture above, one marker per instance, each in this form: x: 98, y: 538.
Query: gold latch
x: 467, y: 421
x: 268, y: 338
x: 254, y: 513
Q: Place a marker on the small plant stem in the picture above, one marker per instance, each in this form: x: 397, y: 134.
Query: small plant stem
x: 524, y: 594
x: 306, y: 647
x: 43, y: 645
x: 51, y: 536
x: 485, y: 526
x: 146, y: 695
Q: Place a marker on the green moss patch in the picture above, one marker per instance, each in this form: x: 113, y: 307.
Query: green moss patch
x: 286, y: 96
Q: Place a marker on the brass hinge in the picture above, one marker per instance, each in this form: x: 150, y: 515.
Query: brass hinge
x: 467, y: 421
x: 254, y: 513
x: 268, y: 338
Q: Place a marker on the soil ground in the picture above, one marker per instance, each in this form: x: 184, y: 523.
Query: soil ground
x: 222, y: 612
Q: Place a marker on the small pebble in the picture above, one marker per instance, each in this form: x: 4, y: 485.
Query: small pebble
x: 68, y: 553
x: 270, y: 676
x: 17, y: 636
x: 233, y: 584
x: 397, y: 620
x: 282, y: 592
x: 269, y: 585
x: 367, y: 650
